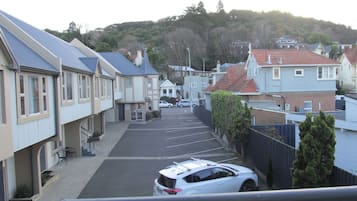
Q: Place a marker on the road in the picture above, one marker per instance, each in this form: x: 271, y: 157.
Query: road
x: 144, y: 149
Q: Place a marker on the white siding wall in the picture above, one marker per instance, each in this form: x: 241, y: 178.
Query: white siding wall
x: 138, y: 83
x: 77, y: 110
x: 29, y: 133
x: 351, y: 109
x: 346, y: 140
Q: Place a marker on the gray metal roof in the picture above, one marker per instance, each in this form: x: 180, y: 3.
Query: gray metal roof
x: 121, y: 63
x: 146, y: 67
x: 64, y: 50
x: 25, y: 56
x: 90, y: 62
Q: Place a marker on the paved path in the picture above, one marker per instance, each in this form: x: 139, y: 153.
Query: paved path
x: 72, y: 175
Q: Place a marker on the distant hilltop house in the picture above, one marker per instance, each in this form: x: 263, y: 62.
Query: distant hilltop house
x: 286, y: 42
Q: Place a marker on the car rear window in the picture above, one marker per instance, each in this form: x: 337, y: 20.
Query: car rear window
x: 167, y: 182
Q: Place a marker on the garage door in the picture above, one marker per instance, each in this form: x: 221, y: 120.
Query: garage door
x: 2, y: 193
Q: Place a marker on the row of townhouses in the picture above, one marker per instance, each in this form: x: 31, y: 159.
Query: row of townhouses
x: 55, y: 95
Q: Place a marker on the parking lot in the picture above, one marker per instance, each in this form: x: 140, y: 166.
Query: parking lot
x: 144, y: 149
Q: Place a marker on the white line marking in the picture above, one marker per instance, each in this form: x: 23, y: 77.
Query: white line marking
x: 183, y: 156
x: 204, y: 151
x: 189, y: 143
x: 165, y: 129
x: 229, y: 159
x: 190, y: 135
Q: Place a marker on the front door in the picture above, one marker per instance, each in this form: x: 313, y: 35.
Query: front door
x: 2, y: 190
x: 121, y: 112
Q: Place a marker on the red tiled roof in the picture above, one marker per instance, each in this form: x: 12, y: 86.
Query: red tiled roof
x: 351, y: 55
x: 283, y: 57
x: 235, y: 80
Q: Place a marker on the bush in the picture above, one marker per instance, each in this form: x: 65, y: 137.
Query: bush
x: 156, y: 114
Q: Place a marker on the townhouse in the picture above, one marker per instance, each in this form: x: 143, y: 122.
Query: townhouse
x: 139, y: 85
x: 52, y: 97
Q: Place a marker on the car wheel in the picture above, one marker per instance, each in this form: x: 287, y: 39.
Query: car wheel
x: 248, y: 185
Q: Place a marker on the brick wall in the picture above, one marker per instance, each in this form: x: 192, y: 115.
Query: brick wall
x: 266, y: 117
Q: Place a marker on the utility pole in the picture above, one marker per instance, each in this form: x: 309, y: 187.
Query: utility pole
x: 189, y: 65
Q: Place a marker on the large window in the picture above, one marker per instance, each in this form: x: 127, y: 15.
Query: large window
x: 276, y: 73
x: 307, y: 106
x: 2, y: 101
x: 129, y: 82
x: 96, y: 87
x: 67, y: 86
x: 326, y: 73
x: 84, y: 86
x: 32, y: 95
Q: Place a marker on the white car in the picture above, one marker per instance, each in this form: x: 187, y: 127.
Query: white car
x: 185, y: 103
x: 197, y: 176
x: 164, y: 103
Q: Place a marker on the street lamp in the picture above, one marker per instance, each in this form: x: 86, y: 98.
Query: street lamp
x: 189, y: 65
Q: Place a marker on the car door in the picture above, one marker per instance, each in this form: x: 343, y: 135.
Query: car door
x: 225, y: 179
x: 203, y: 182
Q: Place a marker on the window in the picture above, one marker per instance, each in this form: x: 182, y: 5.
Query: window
x: 299, y: 72
x: 32, y: 95
x: 276, y: 73
x: 164, y: 91
x: 67, y: 86
x: 2, y: 101
x: 104, y: 87
x: 307, y: 106
x: 84, y: 86
x: 109, y: 88
x: 150, y: 83
x: 129, y: 82
x: 96, y: 87
x: 326, y: 73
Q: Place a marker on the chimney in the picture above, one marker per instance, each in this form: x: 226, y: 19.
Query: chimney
x: 269, y: 59
x: 218, y: 67
x: 139, y: 58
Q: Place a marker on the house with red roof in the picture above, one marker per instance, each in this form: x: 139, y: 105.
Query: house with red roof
x: 348, y: 73
x: 299, y: 80
x: 288, y: 80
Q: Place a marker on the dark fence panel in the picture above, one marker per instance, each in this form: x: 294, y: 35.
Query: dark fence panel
x: 262, y: 148
x: 286, y: 132
x: 204, y: 115
x: 342, y: 178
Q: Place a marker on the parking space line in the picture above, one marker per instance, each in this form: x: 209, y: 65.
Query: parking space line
x: 190, y: 135
x: 165, y: 129
x: 205, y: 151
x: 189, y: 143
x: 228, y: 159
x: 183, y: 156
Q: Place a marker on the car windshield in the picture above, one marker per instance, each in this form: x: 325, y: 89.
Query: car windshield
x: 167, y: 182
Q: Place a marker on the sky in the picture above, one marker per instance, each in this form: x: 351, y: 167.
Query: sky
x: 92, y: 14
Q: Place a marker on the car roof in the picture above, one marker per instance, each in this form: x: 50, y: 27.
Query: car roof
x: 186, y: 167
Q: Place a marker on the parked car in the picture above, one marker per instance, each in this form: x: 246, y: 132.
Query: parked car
x: 197, y: 176
x: 185, y: 103
x: 164, y: 103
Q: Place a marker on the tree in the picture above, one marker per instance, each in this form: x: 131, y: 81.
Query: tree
x: 315, y: 156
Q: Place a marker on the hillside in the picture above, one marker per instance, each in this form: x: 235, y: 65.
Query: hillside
x: 210, y: 35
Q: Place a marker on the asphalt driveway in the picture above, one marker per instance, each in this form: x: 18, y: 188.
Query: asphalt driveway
x: 144, y: 149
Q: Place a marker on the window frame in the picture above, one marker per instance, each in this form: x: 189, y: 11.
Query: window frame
x: 84, y: 88
x: 308, y: 109
x: 65, y: 99
x: 276, y: 77
x: 2, y: 98
x: 24, y: 113
x: 299, y: 75
x: 327, y: 73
